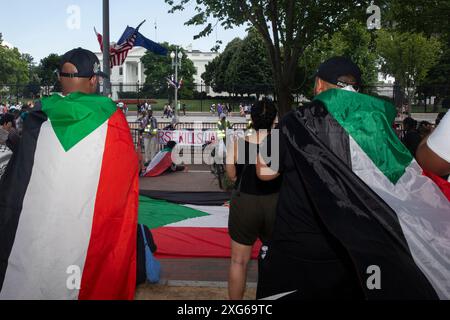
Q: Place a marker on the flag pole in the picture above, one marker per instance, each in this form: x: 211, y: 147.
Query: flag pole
x: 106, y: 65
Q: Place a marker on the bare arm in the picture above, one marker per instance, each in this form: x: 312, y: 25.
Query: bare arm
x: 230, y: 168
x: 430, y: 161
x: 264, y: 172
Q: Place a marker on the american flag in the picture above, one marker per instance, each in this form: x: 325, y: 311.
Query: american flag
x: 118, y: 53
x: 171, y: 82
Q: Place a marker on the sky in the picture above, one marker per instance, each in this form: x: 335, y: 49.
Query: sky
x: 51, y: 26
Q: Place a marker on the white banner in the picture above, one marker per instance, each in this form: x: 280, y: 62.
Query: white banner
x: 187, y: 137
x: 191, y: 137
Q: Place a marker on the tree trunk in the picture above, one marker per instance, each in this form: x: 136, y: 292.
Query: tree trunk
x: 285, y: 100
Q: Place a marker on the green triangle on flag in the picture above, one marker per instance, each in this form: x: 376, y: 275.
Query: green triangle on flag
x: 75, y: 116
x: 157, y: 213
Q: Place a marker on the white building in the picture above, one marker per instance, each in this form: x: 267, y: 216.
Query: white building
x: 385, y: 86
x: 131, y: 74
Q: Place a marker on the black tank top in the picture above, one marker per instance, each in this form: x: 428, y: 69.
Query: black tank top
x: 250, y: 183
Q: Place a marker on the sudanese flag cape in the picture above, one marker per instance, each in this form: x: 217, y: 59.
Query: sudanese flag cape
x: 159, y: 164
x: 371, y: 194
x: 68, y: 204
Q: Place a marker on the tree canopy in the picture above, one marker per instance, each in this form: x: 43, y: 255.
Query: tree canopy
x: 158, y: 68
x: 13, y: 66
x: 408, y: 57
x: 287, y: 27
x: 243, y: 68
x: 353, y: 41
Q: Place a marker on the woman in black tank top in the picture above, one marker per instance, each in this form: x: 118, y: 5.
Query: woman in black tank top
x: 253, y: 201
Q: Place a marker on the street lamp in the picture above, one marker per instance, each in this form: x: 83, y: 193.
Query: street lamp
x: 201, y: 95
x: 176, y: 62
x: 137, y: 90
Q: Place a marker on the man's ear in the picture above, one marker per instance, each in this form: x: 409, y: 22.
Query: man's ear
x: 94, y: 84
x: 93, y: 81
x: 318, y: 86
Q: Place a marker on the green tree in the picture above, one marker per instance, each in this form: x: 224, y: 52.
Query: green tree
x: 408, y: 57
x: 353, y: 41
x: 209, y: 76
x: 158, y: 68
x: 436, y: 82
x: 429, y: 17
x: 33, y: 87
x: 222, y: 80
x: 47, y: 74
x: 13, y: 68
x: 286, y: 26
x: 249, y: 70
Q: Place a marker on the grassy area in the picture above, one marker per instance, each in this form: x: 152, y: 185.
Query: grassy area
x: 429, y: 109
x: 191, y: 105
x: 199, y: 105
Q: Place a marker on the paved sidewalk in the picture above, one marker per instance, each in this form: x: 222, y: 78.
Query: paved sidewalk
x: 195, y: 279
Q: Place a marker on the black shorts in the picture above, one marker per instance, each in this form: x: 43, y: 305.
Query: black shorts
x: 251, y: 217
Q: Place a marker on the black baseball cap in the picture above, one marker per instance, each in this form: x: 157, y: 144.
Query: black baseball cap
x: 85, y: 61
x: 336, y: 67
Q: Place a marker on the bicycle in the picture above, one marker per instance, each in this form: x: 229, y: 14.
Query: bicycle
x: 217, y: 168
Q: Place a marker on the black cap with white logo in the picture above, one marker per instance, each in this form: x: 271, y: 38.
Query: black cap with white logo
x: 334, y: 68
x: 85, y: 61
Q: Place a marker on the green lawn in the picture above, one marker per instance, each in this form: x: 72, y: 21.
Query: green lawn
x: 191, y: 105
x: 429, y: 109
x: 198, y: 105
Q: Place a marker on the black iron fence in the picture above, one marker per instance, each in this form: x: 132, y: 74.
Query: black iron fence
x: 199, y: 96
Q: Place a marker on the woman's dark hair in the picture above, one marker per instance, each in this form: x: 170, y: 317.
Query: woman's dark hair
x: 409, y: 123
x: 263, y: 113
x: 6, y: 118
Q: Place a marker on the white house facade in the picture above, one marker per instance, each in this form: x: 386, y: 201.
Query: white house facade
x: 131, y: 74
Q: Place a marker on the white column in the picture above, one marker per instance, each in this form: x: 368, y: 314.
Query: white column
x: 125, y: 73
x: 140, y: 72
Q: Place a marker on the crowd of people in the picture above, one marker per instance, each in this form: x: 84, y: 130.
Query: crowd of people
x: 168, y: 111
x: 12, y: 117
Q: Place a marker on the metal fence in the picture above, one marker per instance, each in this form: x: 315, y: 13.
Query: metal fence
x: 189, y: 126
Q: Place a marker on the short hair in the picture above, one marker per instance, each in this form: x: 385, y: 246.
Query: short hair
x: 348, y: 79
x: 409, y: 123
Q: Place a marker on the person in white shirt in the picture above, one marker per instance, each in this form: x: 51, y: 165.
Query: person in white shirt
x: 433, y: 154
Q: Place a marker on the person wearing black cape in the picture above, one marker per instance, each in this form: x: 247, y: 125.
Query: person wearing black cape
x: 332, y: 232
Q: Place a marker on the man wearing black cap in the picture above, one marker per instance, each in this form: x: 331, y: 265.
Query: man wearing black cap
x: 354, y: 208
x: 80, y: 71
x: 69, y: 196
x: 337, y: 72
x: 303, y: 260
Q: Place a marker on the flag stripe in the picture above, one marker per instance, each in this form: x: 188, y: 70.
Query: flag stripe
x: 217, y: 217
x: 62, y: 180
x: 17, y: 178
x: 423, y: 212
x: 191, y: 242
x: 156, y: 213
x: 114, y: 220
